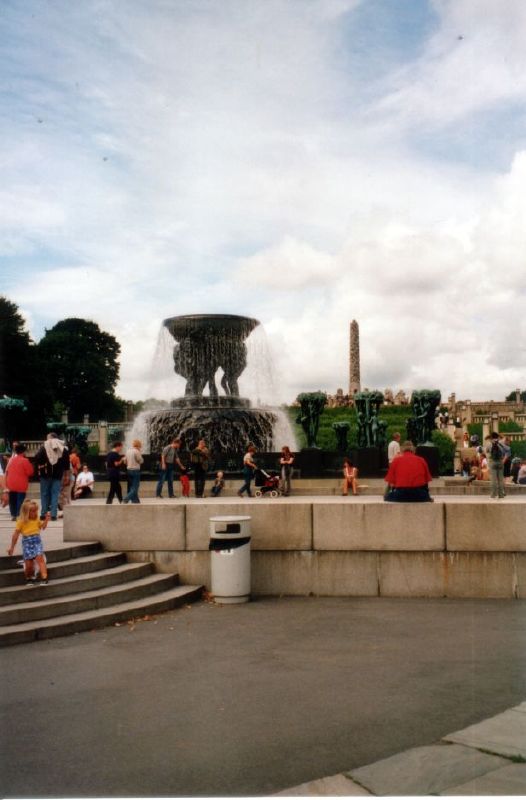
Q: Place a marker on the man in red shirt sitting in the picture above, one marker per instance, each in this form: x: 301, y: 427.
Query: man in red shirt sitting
x: 408, y: 476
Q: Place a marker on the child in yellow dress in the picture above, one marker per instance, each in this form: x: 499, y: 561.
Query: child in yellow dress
x: 29, y: 525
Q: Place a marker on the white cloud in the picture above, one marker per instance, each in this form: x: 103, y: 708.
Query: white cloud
x: 475, y: 60
x: 289, y: 265
x: 199, y: 157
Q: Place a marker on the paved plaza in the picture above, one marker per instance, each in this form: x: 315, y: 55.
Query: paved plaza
x: 251, y: 699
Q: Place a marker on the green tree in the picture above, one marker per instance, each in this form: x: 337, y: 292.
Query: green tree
x: 511, y: 397
x: 21, y: 375
x: 82, y: 363
x: 446, y: 452
x: 15, y: 347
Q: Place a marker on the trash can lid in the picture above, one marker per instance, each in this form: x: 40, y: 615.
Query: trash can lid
x: 230, y: 519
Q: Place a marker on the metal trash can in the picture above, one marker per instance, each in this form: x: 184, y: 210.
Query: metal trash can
x: 230, y: 559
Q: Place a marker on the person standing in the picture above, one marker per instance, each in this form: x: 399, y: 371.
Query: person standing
x: 65, y: 495
x: 18, y: 472
x: 29, y: 525
x: 183, y: 472
x: 168, y: 461
x: 506, y: 461
x: 4, y: 492
x: 286, y: 461
x: 114, y: 459
x: 495, y: 453
x: 394, y: 447
x: 200, y: 456
x: 249, y: 469
x: 134, y: 460
x: 52, y: 461
x: 74, y: 463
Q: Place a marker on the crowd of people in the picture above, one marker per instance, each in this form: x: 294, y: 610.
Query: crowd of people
x: 177, y: 465
x: 494, y: 463
x: 64, y: 478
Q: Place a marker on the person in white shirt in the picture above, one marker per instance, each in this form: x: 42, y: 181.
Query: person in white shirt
x: 84, y: 483
x: 394, y: 447
x: 134, y: 460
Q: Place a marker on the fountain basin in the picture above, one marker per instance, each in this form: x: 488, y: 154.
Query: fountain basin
x: 225, y: 430
x: 217, y: 324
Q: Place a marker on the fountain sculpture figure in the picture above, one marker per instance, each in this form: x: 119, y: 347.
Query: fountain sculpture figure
x: 204, y: 344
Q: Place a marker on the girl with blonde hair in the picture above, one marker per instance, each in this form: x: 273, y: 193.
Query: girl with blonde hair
x: 29, y: 526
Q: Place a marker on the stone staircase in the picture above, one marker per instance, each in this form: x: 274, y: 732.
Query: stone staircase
x: 88, y: 588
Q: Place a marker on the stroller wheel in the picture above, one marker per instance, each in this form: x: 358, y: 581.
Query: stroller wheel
x: 274, y: 493
x: 258, y: 493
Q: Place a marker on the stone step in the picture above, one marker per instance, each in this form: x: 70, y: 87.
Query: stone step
x: 67, y: 568
x: 76, y: 583
x: 87, y: 601
x: 56, y: 554
x: 99, y: 618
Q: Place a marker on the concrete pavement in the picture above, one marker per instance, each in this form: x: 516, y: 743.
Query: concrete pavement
x: 488, y: 758
x: 250, y: 700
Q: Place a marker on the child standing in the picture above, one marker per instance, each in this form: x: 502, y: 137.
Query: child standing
x: 29, y: 525
x: 184, y: 478
x: 219, y: 483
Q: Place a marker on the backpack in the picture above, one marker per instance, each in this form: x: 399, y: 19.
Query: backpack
x: 496, y: 451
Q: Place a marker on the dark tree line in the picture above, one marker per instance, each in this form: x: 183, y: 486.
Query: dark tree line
x: 511, y: 396
x: 73, y: 368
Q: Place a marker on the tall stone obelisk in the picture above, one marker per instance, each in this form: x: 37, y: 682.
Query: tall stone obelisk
x: 354, y: 360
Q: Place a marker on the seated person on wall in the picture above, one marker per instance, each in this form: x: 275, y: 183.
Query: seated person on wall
x: 84, y: 483
x: 408, y: 477
x: 484, y: 467
x: 515, y: 467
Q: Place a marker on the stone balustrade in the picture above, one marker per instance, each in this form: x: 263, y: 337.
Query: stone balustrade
x: 331, y: 546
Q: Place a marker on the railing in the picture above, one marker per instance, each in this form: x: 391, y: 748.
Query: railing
x: 93, y: 437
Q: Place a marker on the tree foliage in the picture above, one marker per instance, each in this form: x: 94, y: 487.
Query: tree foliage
x: 21, y: 375
x: 446, y: 452
x: 15, y: 347
x: 510, y: 398
x: 82, y: 364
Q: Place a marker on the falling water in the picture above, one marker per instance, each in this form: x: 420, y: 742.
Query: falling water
x: 140, y: 430
x: 200, y: 343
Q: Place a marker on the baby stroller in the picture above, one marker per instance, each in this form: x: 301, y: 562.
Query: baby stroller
x: 266, y: 483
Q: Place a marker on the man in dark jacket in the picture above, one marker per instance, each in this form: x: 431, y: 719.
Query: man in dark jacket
x: 51, y: 462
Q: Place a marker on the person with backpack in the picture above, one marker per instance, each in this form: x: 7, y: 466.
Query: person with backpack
x: 495, y: 453
x: 51, y: 462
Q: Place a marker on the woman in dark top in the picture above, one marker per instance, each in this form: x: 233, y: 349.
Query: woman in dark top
x: 113, y: 461
x: 200, y: 464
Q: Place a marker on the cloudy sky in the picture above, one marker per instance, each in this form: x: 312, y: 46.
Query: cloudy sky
x: 305, y: 162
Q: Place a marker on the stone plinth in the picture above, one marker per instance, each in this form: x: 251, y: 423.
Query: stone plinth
x: 330, y: 546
